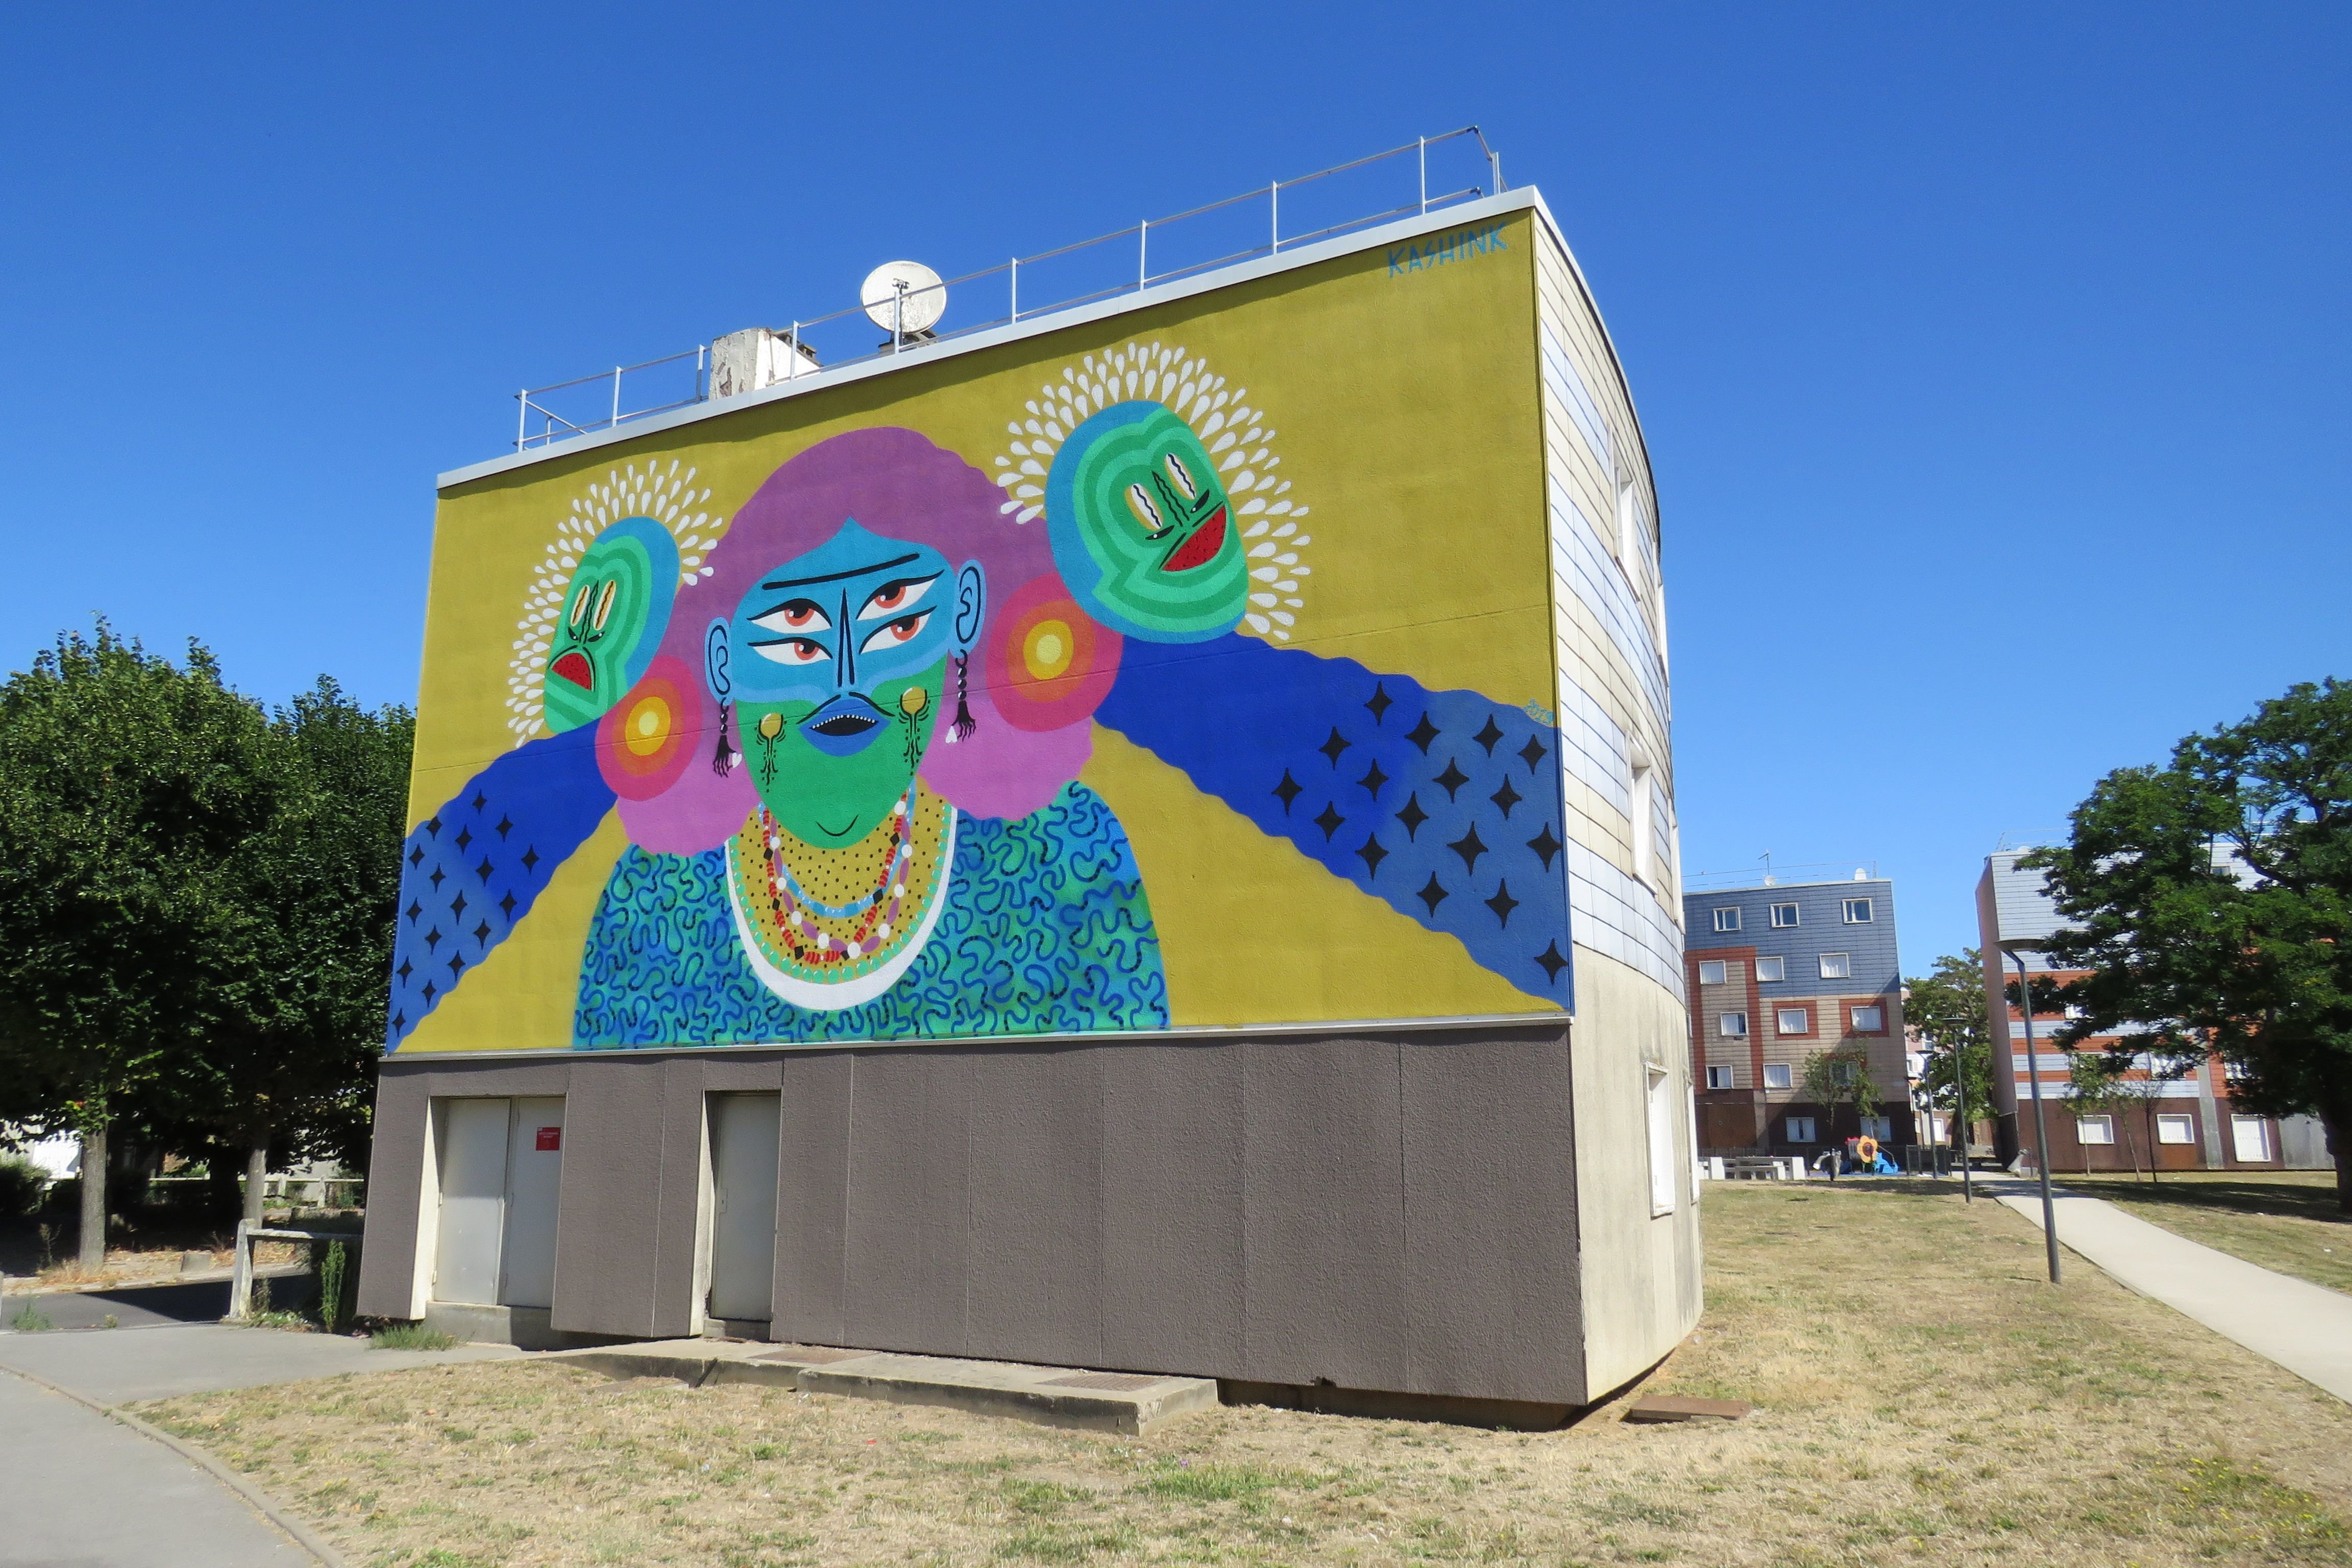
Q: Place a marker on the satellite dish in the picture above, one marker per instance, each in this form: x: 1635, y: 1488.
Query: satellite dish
x: 904, y: 295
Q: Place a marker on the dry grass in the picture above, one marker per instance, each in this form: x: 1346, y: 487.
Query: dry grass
x: 1925, y: 1400
x: 2286, y: 1220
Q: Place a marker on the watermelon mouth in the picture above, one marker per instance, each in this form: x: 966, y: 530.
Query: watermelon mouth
x: 574, y: 668
x: 1202, y: 548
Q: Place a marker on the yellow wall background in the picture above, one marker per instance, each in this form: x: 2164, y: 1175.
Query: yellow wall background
x: 1406, y: 414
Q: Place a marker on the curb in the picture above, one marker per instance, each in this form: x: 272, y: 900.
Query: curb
x: 255, y: 1498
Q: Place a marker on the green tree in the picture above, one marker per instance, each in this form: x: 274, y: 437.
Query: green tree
x: 2212, y: 902
x: 1833, y: 1078
x: 129, y: 788
x: 1946, y: 1009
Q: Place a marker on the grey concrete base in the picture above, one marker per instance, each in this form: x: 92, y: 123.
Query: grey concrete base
x: 1129, y: 1403
x: 1508, y: 1415
x: 525, y: 1328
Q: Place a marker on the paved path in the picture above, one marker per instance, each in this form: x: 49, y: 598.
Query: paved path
x: 2306, y: 1328
x: 116, y: 1366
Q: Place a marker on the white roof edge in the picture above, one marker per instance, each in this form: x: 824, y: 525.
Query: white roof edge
x: 1525, y: 198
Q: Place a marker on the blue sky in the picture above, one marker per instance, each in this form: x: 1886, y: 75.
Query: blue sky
x: 1992, y: 360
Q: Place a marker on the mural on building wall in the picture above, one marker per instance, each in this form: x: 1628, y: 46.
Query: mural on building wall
x: 843, y: 731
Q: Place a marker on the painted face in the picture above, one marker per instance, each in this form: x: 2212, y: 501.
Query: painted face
x: 614, y: 617
x: 1143, y: 528
x: 835, y: 663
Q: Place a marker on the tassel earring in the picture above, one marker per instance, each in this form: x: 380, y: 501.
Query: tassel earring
x: 722, y: 760
x: 964, y: 722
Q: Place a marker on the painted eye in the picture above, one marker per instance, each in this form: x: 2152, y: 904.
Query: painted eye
x: 604, y: 602
x: 1182, y: 476
x: 793, y: 616
x: 580, y: 605
x: 794, y: 651
x: 1146, y: 509
x: 896, y: 598
x: 895, y: 634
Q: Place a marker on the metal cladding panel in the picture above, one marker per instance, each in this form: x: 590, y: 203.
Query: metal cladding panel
x: 812, y: 1197
x: 2023, y: 911
x: 678, y: 1237
x: 395, y: 1198
x: 609, y: 1213
x: 1323, y: 1204
x: 1488, y: 1140
x: 908, y: 1270
x: 1173, y: 1291
x: 1822, y: 927
x: 1035, y: 1262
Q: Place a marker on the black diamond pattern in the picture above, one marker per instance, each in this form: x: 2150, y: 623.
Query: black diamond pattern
x: 433, y: 826
x: 456, y: 968
x: 1372, y: 854
x: 1380, y: 702
x: 1413, y: 816
x: 1330, y: 821
x: 416, y: 856
x: 414, y: 909
x: 481, y: 800
x: 1288, y: 791
x: 431, y: 990
x: 1550, y: 959
x: 1452, y: 778
x: 1489, y: 735
x: 506, y: 906
x: 1502, y: 903
x: 1423, y: 733
x: 436, y: 878
x: 481, y: 931
x: 457, y: 906
x: 1505, y: 798
x: 506, y: 825
x: 530, y: 859
x: 1469, y: 847
x: 464, y: 838
x: 1373, y: 779
x: 404, y: 971
x: 483, y: 870
x: 1545, y: 846
x: 1534, y: 753
x: 1433, y: 893
x: 1334, y: 746
x: 432, y: 938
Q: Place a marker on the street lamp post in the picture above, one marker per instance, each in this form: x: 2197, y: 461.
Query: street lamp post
x: 2040, y: 1123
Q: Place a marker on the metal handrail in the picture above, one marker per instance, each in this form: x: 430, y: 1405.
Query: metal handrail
x: 1144, y: 279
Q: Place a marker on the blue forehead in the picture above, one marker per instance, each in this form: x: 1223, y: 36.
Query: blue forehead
x: 853, y: 562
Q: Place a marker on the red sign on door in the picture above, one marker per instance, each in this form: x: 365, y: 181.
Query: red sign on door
x: 549, y: 1138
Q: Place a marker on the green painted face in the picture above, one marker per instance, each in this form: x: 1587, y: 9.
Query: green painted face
x: 602, y: 641
x: 1143, y: 528
x: 831, y: 791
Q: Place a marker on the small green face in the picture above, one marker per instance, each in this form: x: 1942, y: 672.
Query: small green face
x: 1143, y: 528
x: 593, y: 659
x: 822, y: 790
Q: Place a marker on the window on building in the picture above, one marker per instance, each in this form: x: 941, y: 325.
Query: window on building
x: 1800, y: 1128
x: 1783, y: 916
x: 1733, y: 1023
x: 2176, y: 1128
x: 1841, y: 1073
x: 1720, y: 1077
x: 1662, y: 1161
x: 1795, y: 1020
x: 1879, y: 1127
x: 1837, y: 966
x: 1629, y: 523
x: 1771, y: 969
x: 1711, y: 972
x: 2249, y: 1139
x: 2095, y: 1129
x: 2235, y: 1072
x: 1776, y: 1075
x: 1939, y: 1128
x: 1857, y: 911
x: 1727, y: 919
x: 1868, y: 1020
x: 1644, y: 822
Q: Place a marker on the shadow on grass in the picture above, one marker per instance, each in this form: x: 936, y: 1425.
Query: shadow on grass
x: 2293, y: 1200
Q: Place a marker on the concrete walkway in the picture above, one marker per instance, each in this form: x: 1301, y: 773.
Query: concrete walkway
x: 2305, y: 1327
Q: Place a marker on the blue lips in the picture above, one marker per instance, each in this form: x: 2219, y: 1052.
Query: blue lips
x: 843, y: 727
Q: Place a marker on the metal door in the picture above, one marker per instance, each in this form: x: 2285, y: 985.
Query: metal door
x: 472, y: 1138
x: 534, y: 1172
x: 745, y: 1134
x: 2251, y: 1139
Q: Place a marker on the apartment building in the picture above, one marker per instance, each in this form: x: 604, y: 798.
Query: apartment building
x: 1780, y: 972
x: 2182, y: 1117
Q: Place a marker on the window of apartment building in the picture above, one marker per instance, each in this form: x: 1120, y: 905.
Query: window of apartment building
x: 1857, y: 911
x: 1727, y: 919
x: 1776, y: 1075
x: 2235, y: 1072
x: 1800, y: 1128
x: 1771, y: 969
x: 1795, y: 1020
x: 1629, y: 523
x: 1734, y: 1025
x: 1879, y: 1127
x: 1837, y: 966
x: 1841, y: 1073
x: 1663, y: 1164
x: 1783, y: 916
x: 2249, y: 1139
x: 1720, y: 1077
x: 2095, y: 1129
x: 1711, y: 972
x: 1645, y: 821
x: 1868, y: 1020
x: 2176, y: 1130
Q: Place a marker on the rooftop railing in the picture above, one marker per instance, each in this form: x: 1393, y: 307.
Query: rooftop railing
x: 1231, y: 230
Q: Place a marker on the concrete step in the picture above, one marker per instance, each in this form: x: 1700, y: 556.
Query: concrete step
x: 1129, y: 1403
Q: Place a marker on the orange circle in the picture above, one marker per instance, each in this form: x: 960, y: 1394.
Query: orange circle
x: 648, y: 726
x: 1049, y: 647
